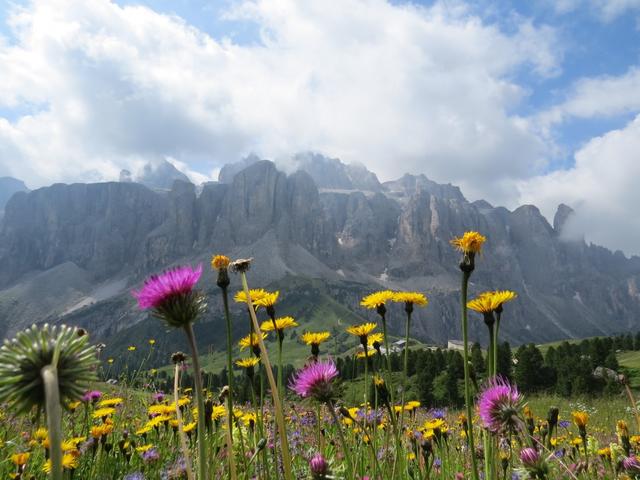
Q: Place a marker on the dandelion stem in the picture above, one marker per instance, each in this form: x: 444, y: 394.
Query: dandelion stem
x: 345, y: 449
x: 467, y: 390
x: 227, y: 316
x: 183, y: 440
x: 54, y: 418
x: 286, y: 458
x: 197, y: 378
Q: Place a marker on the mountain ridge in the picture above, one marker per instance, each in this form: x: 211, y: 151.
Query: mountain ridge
x: 355, y: 241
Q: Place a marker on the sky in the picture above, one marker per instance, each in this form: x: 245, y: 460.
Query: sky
x: 517, y: 102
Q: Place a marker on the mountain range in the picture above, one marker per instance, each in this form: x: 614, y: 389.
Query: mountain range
x: 324, y: 234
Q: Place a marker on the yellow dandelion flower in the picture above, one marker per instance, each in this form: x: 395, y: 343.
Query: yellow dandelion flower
x: 605, y: 452
x: 370, y: 353
x: 375, y: 338
x: 255, y: 294
x: 248, y: 362
x: 20, y: 459
x: 414, y: 298
x: 580, y: 418
x: 218, y: 262
x: 576, y: 441
x: 413, y: 404
x: 249, y: 419
x: 282, y: 323
x: 189, y: 427
x: 152, y: 341
x: 143, y: 431
x: 98, y: 431
x: 435, y: 424
x: 40, y: 435
x: 378, y: 381
x: 500, y: 297
x: 69, y: 462
x: 361, y: 330
x: 161, y: 409
x: 144, y: 448
x: 111, y: 402
x: 470, y: 242
x: 110, y: 361
x: 481, y: 304
x: 311, y: 338
x: 250, y: 340
x: 267, y: 300
x: 132, y: 348
x: 376, y: 299
x: 219, y: 411
x: 104, y: 412
x: 73, y: 405
x: 635, y: 439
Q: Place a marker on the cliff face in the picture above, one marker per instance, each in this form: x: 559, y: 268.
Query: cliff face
x: 72, y: 252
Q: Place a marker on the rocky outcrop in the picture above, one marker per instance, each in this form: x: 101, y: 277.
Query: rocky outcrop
x: 9, y: 186
x: 356, y: 237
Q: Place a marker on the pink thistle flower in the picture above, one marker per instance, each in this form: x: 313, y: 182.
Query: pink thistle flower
x: 319, y: 467
x: 315, y: 380
x: 529, y: 457
x: 499, y: 405
x: 631, y: 464
x: 158, y: 289
x: 171, y: 295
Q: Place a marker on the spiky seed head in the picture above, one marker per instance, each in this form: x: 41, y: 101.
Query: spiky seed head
x: 23, y: 358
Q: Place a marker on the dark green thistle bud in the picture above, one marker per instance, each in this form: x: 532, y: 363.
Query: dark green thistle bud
x: 23, y: 359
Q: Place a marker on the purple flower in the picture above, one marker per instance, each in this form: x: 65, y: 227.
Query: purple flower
x: 158, y: 397
x: 439, y: 413
x: 315, y: 380
x: 318, y: 466
x: 92, y: 396
x: 134, y: 476
x: 564, y: 423
x: 631, y: 464
x: 529, y: 457
x: 499, y: 405
x: 150, y: 455
x: 158, y: 289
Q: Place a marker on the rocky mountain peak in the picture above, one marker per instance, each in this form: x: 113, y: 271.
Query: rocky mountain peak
x: 9, y: 186
x: 560, y: 218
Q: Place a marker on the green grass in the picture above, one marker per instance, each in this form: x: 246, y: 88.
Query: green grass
x: 631, y: 362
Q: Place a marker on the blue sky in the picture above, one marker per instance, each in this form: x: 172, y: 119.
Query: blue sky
x: 515, y: 101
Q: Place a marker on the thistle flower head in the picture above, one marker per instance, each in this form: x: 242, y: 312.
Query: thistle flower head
x: 499, y: 405
x: 23, y: 358
x: 316, y: 381
x: 281, y: 324
x: 171, y: 296
x: 319, y: 467
x: 533, y: 462
x: 631, y: 464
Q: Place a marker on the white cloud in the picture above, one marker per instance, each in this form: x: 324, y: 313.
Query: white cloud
x: 605, y: 10
x: 602, y: 187
x: 602, y: 96
x: 428, y: 88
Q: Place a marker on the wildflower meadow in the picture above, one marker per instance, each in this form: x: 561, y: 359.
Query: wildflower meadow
x: 59, y: 420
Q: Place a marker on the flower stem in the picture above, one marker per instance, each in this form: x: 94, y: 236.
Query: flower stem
x: 345, y: 449
x: 227, y: 316
x: 404, y: 374
x: 54, y: 418
x: 496, y: 328
x: 197, y: 378
x: 183, y: 440
x: 467, y: 389
x: 286, y: 458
